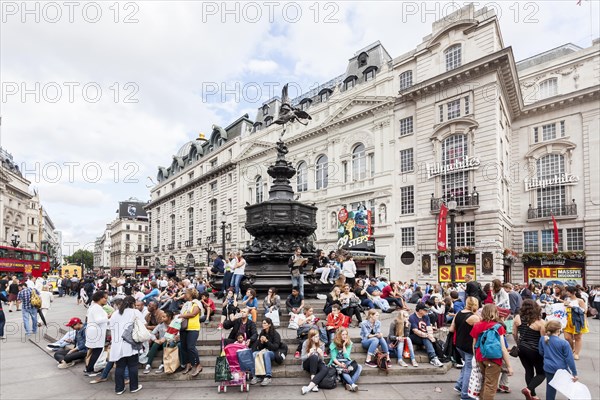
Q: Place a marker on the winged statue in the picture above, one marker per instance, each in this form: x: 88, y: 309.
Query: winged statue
x: 287, y: 113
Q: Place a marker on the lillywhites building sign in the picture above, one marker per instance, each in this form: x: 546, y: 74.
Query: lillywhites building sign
x: 556, y: 180
x: 466, y: 164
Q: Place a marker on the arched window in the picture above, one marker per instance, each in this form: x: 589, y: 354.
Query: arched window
x: 172, y: 228
x: 552, y: 199
x: 322, y: 172
x: 453, y: 55
x: 268, y: 120
x: 302, y: 177
x: 405, y: 80
x: 349, y: 82
x: 257, y: 126
x: 369, y: 73
x: 548, y: 88
x: 258, y: 189
x: 324, y: 95
x: 455, y: 184
x: 359, y: 165
x: 191, y: 225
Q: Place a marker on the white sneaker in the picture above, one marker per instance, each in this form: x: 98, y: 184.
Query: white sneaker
x: 315, y: 389
x: 160, y: 369
x: 138, y: 389
x: 402, y: 363
x: 282, y: 356
x: 147, y: 369
x: 436, y: 362
x: 305, y: 389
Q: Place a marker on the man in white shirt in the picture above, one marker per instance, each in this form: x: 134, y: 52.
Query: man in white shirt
x: 95, y: 332
x: 30, y: 283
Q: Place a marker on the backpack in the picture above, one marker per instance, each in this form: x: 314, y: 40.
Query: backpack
x: 381, y: 361
x: 330, y: 380
x: 35, y: 299
x: 489, y: 344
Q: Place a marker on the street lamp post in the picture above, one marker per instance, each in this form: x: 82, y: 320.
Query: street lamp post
x: 223, y: 224
x: 15, y: 239
x: 452, y: 211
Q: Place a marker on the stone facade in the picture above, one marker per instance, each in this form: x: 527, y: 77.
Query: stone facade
x: 455, y: 117
x: 129, y: 245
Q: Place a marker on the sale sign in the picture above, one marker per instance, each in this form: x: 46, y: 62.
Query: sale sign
x: 445, y: 272
x: 567, y: 276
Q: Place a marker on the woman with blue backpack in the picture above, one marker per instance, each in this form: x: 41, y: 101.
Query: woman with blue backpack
x: 490, y: 350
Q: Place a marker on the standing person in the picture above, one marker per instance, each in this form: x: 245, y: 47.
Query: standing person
x: 191, y: 311
x: 349, y: 270
x: 321, y: 266
x: 595, y: 295
x: 340, y: 350
x: 576, y: 320
x: 238, y: 272
x: 557, y: 355
x: 297, y: 271
x: 500, y: 296
x: 47, y: 298
x: 29, y: 311
x: 95, y: 334
x: 473, y: 289
x: 269, y: 342
x: 462, y: 324
x: 528, y: 328
x: 397, y: 337
x: 515, y: 300
x: 228, y: 274
x: 3, y: 285
x: 3, y: 299
x: 490, y: 368
x: 121, y: 351
x: 13, y: 291
x: 372, y: 338
x: 313, y: 351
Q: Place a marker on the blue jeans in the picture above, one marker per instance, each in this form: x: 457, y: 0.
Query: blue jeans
x: 335, y: 273
x: 550, y: 391
x: 30, y: 313
x: 226, y: 282
x: 298, y: 281
x: 352, y: 379
x: 367, y: 303
x: 465, y: 374
x: 372, y: 344
x: 424, y: 342
x: 235, y: 282
x: 61, y: 291
x: 109, y: 366
x: 269, y: 356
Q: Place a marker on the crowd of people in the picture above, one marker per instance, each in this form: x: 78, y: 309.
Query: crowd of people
x: 129, y: 322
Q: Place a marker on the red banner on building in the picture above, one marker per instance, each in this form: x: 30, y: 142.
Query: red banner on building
x: 555, y: 244
x: 441, y: 235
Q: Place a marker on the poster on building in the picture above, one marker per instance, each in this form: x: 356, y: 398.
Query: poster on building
x: 464, y: 264
x: 132, y: 210
x: 426, y: 264
x: 487, y: 263
x: 355, y: 230
x: 550, y: 275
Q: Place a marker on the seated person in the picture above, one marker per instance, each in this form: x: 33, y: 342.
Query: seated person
x: 67, y: 340
x: 391, y: 293
x: 335, y: 320
x: 421, y: 332
x: 335, y: 266
x: 208, y: 306
x: 313, y: 357
x: 399, y: 328
x: 295, y: 301
x: 350, y: 303
x: 416, y: 296
x: 241, y: 324
x: 66, y: 357
x: 372, y: 338
x: 332, y: 298
x: 158, y: 340
x: 230, y: 307
x: 251, y: 302
x: 270, y: 341
x: 306, y: 322
x: 361, y: 291
x: 375, y: 294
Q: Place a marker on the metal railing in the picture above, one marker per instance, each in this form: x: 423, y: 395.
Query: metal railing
x: 564, y: 210
x: 463, y: 202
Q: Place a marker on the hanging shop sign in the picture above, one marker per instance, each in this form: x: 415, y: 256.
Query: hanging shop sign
x: 464, y: 264
x: 355, y: 230
x: 467, y: 163
x: 556, y: 180
x: 560, y: 271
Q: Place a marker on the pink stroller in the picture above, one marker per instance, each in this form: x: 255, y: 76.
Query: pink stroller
x: 240, y: 377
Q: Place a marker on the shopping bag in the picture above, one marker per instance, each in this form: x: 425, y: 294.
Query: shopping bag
x: 509, y: 323
x: 475, y: 381
x: 140, y: 333
x: 293, y: 321
x: 171, y: 359
x: 222, y: 369
x: 406, y: 351
x: 101, y: 362
x: 274, y: 315
x: 259, y: 364
x: 559, y: 313
x: 245, y: 359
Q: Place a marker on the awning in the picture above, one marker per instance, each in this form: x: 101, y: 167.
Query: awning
x: 365, y: 255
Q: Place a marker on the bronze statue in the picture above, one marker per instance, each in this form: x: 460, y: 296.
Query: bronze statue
x: 287, y: 113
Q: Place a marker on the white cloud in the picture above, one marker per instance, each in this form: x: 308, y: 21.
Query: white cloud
x: 262, y: 66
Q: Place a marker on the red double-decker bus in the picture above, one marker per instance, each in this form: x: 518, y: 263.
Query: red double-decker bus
x: 22, y: 262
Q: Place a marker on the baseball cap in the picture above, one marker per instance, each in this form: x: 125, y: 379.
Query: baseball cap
x: 421, y: 306
x: 73, y: 321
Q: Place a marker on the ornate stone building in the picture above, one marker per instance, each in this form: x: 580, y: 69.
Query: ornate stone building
x: 456, y: 117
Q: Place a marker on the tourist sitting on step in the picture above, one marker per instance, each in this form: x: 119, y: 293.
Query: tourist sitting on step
x: 272, y: 302
x: 335, y: 320
x: 391, y: 294
x: 350, y: 304
x: 398, y: 339
x: 335, y: 266
x: 230, y: 307
x: 332, y: 298
x: 375, y: 293
x: 306, y: 322
x: 209, y: 307
x: 241, y: 324
x: 372, y: 338
x: 360, y: 290
x: 321, y: 266
x: 269, y: 343
x: 251, y: 302
x: 295, y: 301
x: 313, y: 356
x: 340, y: 350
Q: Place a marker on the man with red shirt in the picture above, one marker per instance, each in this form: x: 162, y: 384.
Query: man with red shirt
x: 209, y: 307
x: 392, y: 295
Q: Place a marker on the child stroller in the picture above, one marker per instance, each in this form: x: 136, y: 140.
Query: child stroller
x: 239, y: 375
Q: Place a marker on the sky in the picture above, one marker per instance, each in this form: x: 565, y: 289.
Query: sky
x: 96, y: 95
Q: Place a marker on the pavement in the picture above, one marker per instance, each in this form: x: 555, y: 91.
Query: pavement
x: 28, y: 372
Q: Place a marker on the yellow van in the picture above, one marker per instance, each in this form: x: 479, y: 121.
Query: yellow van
x: 71, y: 270
x: 52, y: 283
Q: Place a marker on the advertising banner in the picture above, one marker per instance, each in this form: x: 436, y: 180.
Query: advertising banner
x: 133, y: 210
x: 355, y: 230
x: 445, y: 273
x: 550, y: 275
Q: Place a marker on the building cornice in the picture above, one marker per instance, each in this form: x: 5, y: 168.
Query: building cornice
x: 566, y: 100
x: 213, y: 173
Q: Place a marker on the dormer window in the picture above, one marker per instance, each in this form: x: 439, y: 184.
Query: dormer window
x: 548, y: 88
x: 453, y: 56
x: 349, y: 82
x: 257, y: 126
x: 265, y: 109
x: 304, y: 104
x: 370, y: 73
x: 324, y: 95
x: 268, y: 120
x: 362, y: 59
